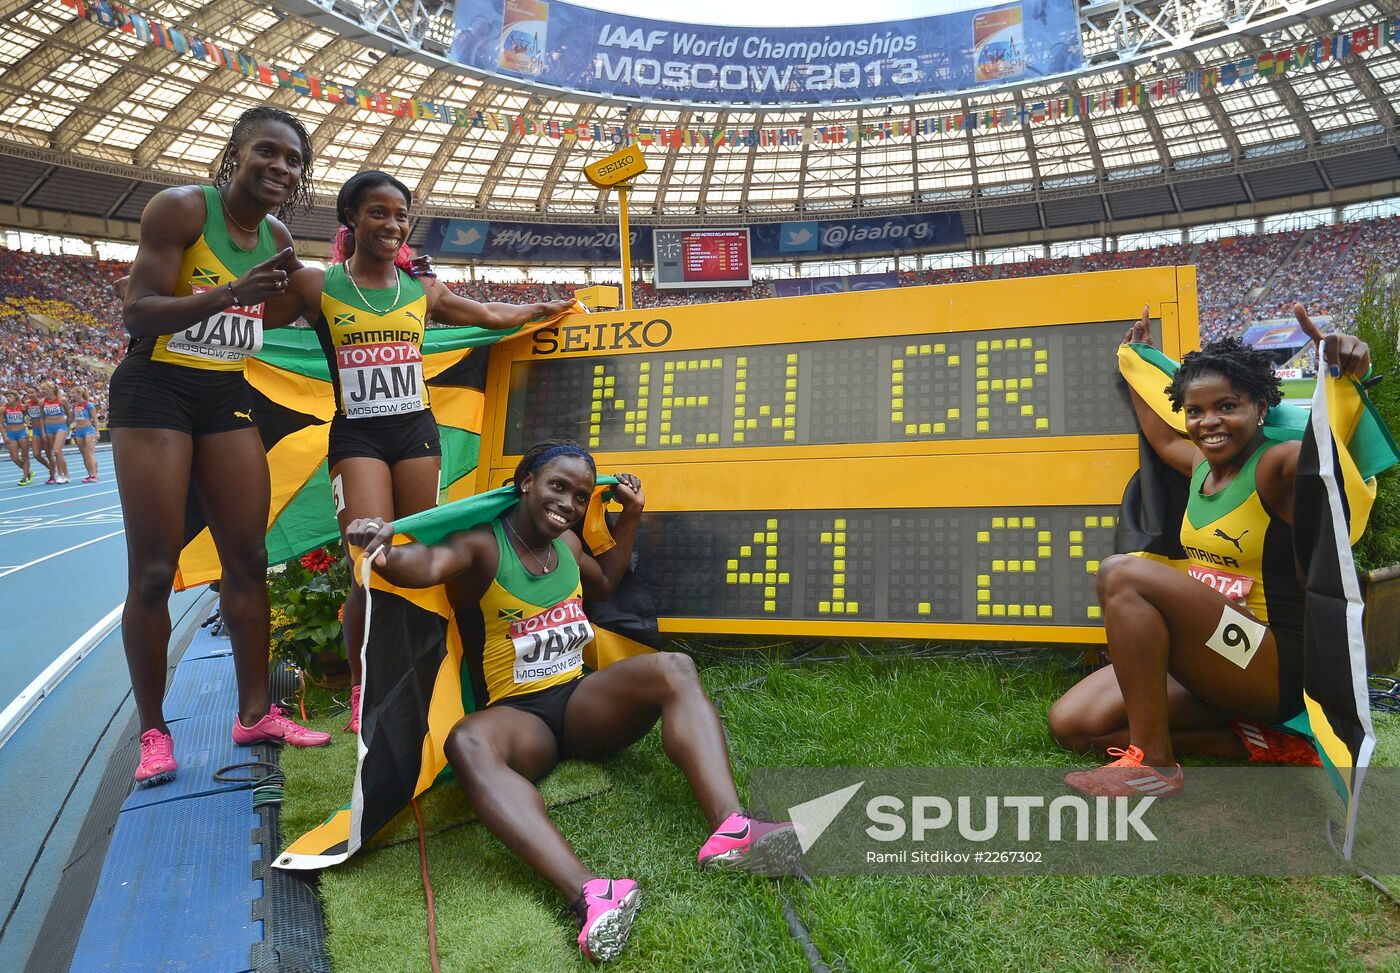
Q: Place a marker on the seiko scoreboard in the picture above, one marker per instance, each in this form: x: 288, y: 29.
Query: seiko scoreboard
x: 939, y: 462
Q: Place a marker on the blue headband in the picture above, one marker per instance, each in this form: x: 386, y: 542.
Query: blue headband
x: 554, y: 452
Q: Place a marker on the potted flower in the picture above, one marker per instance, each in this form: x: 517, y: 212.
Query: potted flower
x: 306, y: 595
x: 1378, y: 551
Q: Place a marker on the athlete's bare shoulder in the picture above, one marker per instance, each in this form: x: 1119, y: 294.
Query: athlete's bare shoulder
x: 178, y: 212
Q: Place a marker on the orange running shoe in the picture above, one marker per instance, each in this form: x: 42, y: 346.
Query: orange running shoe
x: 1267, y: 745
x: 1126, y: 777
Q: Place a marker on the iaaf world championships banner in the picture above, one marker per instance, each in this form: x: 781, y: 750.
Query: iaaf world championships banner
x: 575, y: 48
x: 589, y: 243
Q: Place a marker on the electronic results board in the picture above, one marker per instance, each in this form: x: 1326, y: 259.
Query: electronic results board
x: 701, y: 258
x: 941, y: 462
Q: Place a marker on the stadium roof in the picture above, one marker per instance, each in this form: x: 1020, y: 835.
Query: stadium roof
x: 80, y: 95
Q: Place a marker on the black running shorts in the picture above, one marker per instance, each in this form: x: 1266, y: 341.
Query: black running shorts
x: 548, y: 704
x: 386, y: 438
x: 146, y: 394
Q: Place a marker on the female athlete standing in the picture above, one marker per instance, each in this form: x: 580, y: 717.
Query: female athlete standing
x: 209, y: 257
x: 34, y: 412
x: 1178, y: 678
x: 17, y: 437
x: 55, y: 411
x: 369, y: 312
x: 85, y: 431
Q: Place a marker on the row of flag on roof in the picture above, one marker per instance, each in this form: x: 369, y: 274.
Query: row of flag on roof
x: 1309, y: 54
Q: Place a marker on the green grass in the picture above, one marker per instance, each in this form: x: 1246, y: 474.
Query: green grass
x: 493, y: 914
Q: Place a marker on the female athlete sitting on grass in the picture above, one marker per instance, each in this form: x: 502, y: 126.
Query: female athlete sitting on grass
x: 540, y: 706
x: 1187, y: 660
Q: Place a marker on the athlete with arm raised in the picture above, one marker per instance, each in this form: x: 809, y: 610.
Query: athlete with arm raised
x: 1194, y: 650
x: 370, y: 312
x: 526, y: 575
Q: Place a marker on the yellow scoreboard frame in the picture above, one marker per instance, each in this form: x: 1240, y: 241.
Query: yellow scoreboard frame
x: 937, y: 462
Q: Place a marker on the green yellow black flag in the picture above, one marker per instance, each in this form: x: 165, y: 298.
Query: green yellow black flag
x: 292, y: 405
x: 417, y: 685
x: 1344, y: 445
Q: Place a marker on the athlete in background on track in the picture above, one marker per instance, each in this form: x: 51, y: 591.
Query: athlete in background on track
x: 17, y: 436
x: 55, y: 410
x: 34, y: 412
x: 85, y: 431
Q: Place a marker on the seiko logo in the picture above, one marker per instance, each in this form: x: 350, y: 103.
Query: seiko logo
x: 603, y: 336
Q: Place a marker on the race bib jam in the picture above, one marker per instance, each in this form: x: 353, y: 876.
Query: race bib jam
x: 230, y: 335
x: 550, y: 643
x: 380, y: 379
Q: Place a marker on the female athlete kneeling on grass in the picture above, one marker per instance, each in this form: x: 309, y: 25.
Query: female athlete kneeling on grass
x: 530, y: 566
x: 1179, y: 675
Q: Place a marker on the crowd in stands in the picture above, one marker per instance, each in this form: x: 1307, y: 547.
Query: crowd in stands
x: 61, y: 321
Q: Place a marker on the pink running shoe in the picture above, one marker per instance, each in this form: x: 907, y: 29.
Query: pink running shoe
x: 1267, y: 745
x: 354, y: 725
x: 276, y: 727
x: 89, y: 479
x: 50, y: 481
x: 605, y: 910
x: 157, y: 759
x: 756, y: 847
x: 1126, y: 777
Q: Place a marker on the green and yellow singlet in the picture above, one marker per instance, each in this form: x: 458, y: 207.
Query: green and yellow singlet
x: 223, y: 340
x: 375, y: 356
x: 1237, y: 546
x: 535, y: 628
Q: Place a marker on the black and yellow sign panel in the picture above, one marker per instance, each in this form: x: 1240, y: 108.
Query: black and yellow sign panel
x: 943, y: 462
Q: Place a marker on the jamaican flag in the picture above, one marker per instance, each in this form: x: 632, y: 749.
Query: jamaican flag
x: 1344, y: 445
x: 293, y: 404
x: 414, y: 691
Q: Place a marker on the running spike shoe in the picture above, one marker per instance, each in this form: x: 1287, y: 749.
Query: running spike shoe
x: 26, y: 480
x: 277, y: 727
x: 1126, y: 777
x: 605, y: 910
x: 756, y: 847
x: 354, y: 725
x: 50, y: 481
x: 1267, y: 745
x: 157, y: 759
x: 89, y: 479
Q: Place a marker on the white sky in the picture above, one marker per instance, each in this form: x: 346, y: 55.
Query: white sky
x: 781, y: 13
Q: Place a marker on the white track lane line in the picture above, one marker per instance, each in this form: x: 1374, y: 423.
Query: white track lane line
x: 32, y: 695
x: 66, y: 550
x: 53, y: 503
x: 77, y: 489
x: 59, y: 521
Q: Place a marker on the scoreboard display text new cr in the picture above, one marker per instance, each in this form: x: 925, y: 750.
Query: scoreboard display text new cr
x: 939, y: 462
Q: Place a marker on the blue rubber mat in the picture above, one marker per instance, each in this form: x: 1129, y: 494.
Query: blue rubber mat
x: 202, y: 687
x: 203, y: 744
x: 207, y: 645
x: 175, y: 891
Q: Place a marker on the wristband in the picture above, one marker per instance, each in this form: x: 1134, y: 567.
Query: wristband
x: 232, y: 296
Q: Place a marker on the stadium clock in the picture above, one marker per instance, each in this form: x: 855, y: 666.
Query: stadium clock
x: 941, y: 462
